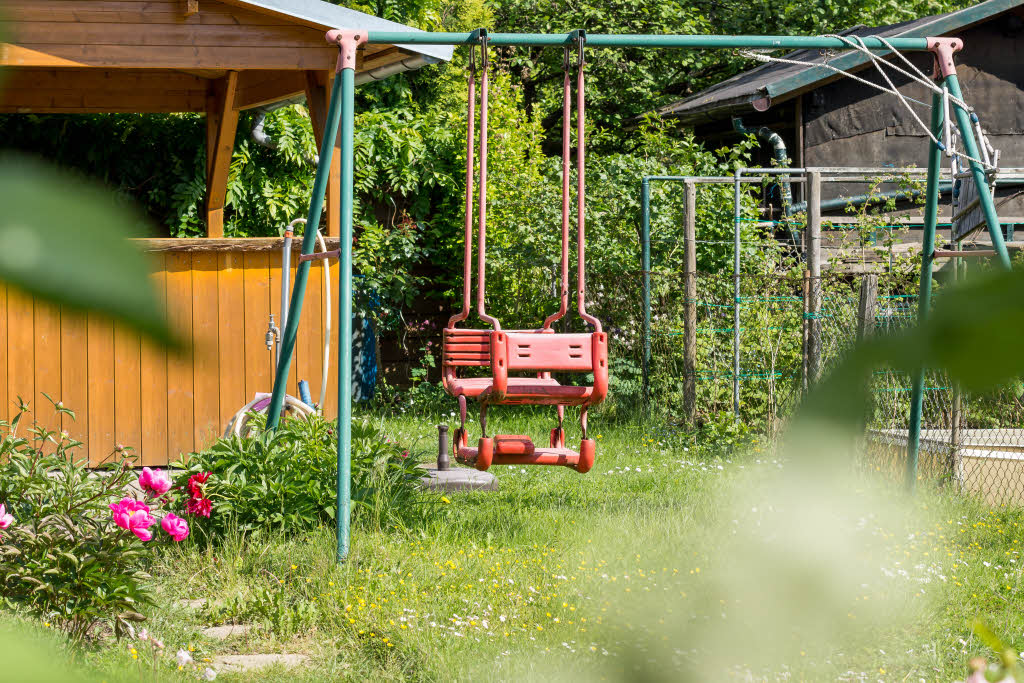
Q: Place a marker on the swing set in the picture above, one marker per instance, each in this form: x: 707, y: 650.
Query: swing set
x: 495, y: 353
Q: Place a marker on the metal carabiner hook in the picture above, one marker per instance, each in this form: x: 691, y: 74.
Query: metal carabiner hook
x: 484, y: 59
x: 581, y: 39
x: 566, y: 59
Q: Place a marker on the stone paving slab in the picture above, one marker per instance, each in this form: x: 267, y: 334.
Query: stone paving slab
x: 226, y: 631
x: 253, y: 662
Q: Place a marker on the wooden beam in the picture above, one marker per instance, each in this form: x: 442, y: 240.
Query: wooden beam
x: 257, y: 88
x: 221, y: 124
x: 316, y: 101
x: 166, y: 57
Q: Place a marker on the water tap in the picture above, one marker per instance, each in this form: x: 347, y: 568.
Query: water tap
x: 273, y: 333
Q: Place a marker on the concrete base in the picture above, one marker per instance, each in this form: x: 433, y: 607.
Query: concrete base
x: 457, y: 479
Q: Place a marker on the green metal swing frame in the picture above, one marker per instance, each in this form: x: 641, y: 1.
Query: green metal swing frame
x: 341, y: 120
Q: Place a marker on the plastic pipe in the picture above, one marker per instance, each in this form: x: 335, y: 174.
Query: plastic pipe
x: 778, y: 151
x: 327, y: 321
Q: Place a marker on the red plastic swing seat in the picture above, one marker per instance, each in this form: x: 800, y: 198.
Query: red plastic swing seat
x: 541, y: 352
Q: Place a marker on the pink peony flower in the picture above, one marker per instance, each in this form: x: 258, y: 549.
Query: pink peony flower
x: 154, y: 481
x: 199, y: 506
x: 6, y: 518
x: 175, y: 526
x: 134, y: 516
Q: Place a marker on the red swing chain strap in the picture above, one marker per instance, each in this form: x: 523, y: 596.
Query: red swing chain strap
x: 566, y: 144
x: 467, y: 271
x: 481, y: 251
x: 580, y: 190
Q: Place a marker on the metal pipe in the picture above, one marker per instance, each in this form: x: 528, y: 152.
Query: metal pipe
x: 963, y: 121
x: 645, y: 266
x: 316, y: 203
x: 443, y: 462
x: 347, y: 97
x: 642, y: 40
x: 736, y: 295
x: 779, y: 152
x: 924, y: 298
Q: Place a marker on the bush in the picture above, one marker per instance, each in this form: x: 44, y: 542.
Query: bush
x: 286, y: 479
x: 72, y: 544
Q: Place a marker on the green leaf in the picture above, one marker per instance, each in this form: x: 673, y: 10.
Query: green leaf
x: 63, y: 240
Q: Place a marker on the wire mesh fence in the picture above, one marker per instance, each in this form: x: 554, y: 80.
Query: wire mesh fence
x: 792, y: 329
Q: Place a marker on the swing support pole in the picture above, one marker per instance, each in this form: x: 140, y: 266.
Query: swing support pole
x: 943, y: 49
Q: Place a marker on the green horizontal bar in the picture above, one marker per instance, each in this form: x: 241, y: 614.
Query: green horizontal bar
x: 638, y: 40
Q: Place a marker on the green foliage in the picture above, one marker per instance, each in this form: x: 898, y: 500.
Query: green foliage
x: 285, y: 479
x: 63, y: 559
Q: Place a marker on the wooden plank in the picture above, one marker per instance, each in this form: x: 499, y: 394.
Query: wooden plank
x: 221, y: 125
x: 231, y: 349
x: 259, y: 362
x: 74, y: 377
x: 163, y: 35
x: 331, y: 399
x: 20, y: 356
x: 101, y: 389
x: 89, y: 12
x: 166, y: 57
x: 72, y: 101
x: 205, y: 324
x: 154, y: 389
x: 180, y: 387
x: 47, y: 364
x: 332, y: 210
x: 106, y: 80
x: 257, y: 90
x: 128, y: 389
x: 229, y: 244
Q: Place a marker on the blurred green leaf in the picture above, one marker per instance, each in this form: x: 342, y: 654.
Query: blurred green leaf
x: 63, y: 239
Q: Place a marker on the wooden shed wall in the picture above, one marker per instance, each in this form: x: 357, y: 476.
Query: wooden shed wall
x: 126, y: 391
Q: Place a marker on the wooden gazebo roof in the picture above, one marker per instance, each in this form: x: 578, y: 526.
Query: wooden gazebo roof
x: 217, y: 57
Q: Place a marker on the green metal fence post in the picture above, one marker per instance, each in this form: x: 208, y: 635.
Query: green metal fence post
x: 931, y: 209
x: 645, y: 246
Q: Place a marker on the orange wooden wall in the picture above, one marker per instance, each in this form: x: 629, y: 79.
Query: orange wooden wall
x: 126, y: 391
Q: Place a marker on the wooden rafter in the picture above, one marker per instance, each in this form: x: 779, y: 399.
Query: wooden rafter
x: 316, y: 101
x: 221, y: 124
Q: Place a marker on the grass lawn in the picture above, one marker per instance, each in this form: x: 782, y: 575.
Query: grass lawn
x: 673, y: 557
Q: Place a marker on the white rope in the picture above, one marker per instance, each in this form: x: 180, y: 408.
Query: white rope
x: 858, y: 44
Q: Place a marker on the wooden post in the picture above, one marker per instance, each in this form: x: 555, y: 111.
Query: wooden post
x: 813, y: 251
x: 221, y: 125
x: 690, y: 302
x: 316, y: 100
x: 866, y: 306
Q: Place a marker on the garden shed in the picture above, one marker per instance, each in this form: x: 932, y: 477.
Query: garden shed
x: 826, y: 120
x: 152, y: 56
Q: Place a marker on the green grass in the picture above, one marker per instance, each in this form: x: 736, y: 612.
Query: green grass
x: 673, y: 555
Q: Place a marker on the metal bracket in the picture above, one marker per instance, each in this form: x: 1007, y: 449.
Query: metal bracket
x: 348, y: 42
x: 320, y: 255
x: 942, y: 50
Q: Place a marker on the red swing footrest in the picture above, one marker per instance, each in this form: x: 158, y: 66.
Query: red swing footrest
x: 513, y: 449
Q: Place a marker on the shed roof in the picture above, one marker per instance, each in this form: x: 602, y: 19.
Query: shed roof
x: 772, y: 83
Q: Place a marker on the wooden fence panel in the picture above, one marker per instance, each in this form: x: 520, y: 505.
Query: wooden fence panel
x: 125, y: 390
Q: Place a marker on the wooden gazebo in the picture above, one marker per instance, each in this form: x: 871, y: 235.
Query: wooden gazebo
x: 217, y: 57
x: 98, y: 56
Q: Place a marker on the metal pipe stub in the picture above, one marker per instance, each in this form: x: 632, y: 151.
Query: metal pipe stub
x: 320, y: 255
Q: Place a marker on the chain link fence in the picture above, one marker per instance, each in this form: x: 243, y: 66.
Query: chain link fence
x: 793, y: 328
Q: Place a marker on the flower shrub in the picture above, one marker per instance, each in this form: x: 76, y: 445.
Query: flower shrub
x: 286, y: 479
x: 73, y: 547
